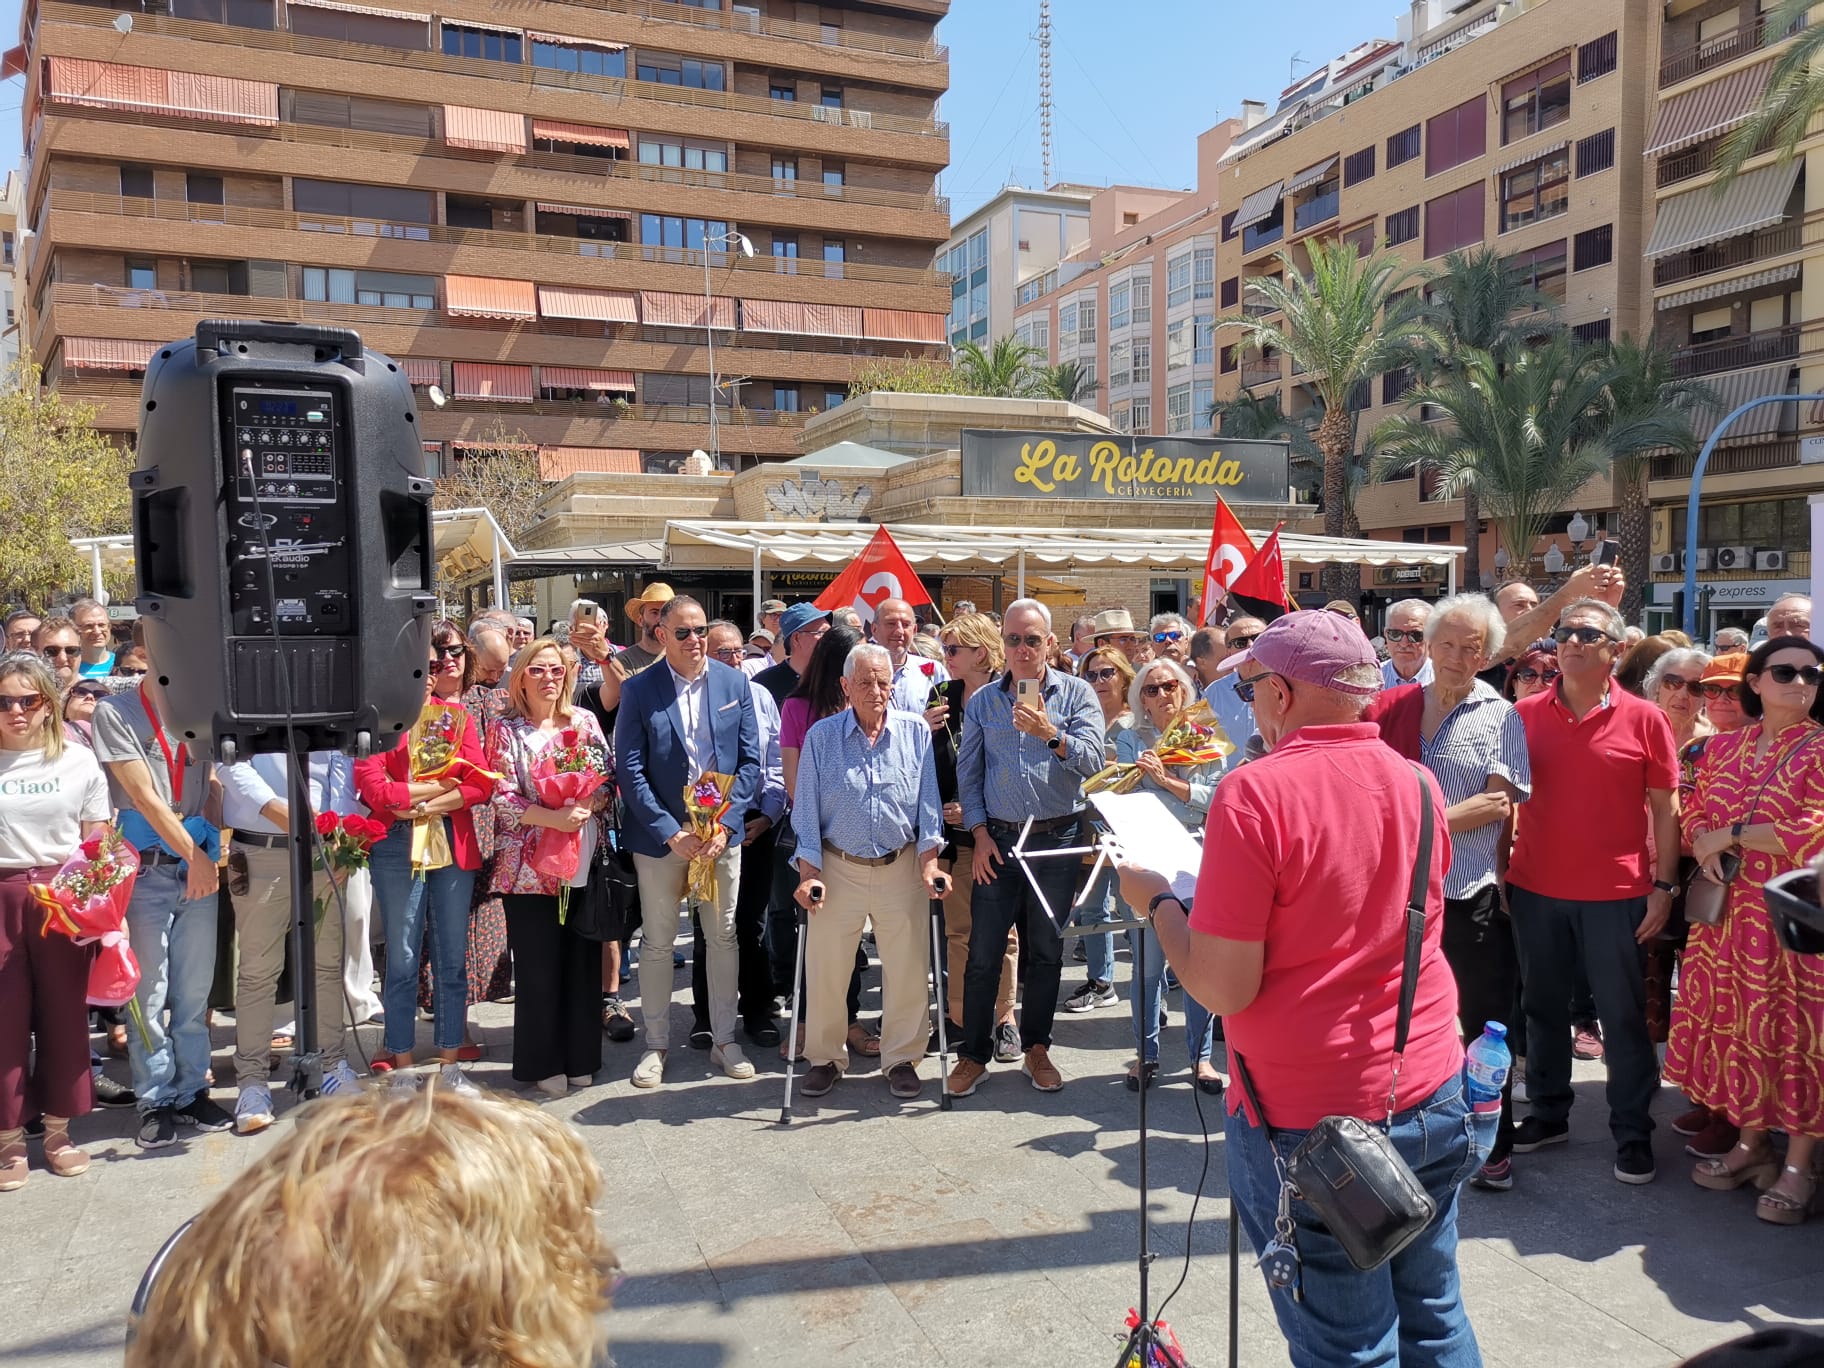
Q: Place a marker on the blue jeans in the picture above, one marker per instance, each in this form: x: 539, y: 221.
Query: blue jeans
x: 1409, y: 1311
x: 1101, y: 905
x: 401, y: 897
x: 173, y: 938
x: 1198, y: 1032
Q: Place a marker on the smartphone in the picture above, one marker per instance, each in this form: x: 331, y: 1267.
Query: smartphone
x: 585, y: 610
x: 1027, y: 694
x: 1606, y: 553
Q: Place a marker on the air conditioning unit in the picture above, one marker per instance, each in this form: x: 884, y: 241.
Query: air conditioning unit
x: 1733, y: 558
x: 1703, y: 559
x: 1769, y: 560
x: 1665, y: 563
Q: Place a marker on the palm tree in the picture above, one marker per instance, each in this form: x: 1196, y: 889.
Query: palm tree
x: 1481, y: 302
x: 1793, y: 98
x: 1258, y: 417
x: 1006, y: 370
x: 1069, y: 381
x: 1527, y: 435
x: 1342, y: 325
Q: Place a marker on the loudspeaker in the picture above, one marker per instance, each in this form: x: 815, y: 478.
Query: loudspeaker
x: 282, y: 531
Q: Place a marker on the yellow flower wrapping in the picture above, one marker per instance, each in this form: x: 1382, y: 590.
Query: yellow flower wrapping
x: 705, y: 801
x: 1194, y: 737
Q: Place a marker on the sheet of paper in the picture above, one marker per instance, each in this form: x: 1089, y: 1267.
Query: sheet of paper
x: 1149, y: 836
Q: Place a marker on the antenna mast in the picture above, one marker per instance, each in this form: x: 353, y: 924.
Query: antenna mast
x: 1045, y: 88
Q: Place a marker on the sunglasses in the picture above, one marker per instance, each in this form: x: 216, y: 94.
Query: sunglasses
x: 456, y: 652
x: 1528, y: 675
x: 1713, y: 691
x: 1124, y: 639
x: 1241, y: 643
x: 1399, y: 634
x: 1163, y: 637
x: 686, y: 633
x: 1808, y: 675
x: 1032, y: 641
x: 547, y: 671
x: 1588, y: 636
x: 55, y: 651
x: 1244, y: 688
x: 25, y: 703
x: 954, y: 647
x: 1170, y: 686
x: 1101, y: 676
x: 1694, y: 687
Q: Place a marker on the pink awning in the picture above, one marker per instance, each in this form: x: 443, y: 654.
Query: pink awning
x: 601, y: 306
x: 559, y: 131
x: 557, y: 462
x: 107, y: 353
x: 772, y: 315
x: 486, y: 297
x: 421, y: 372
x: 584, y: 378
x: 583, y: 211
x: 833, y: 320
x: 902, y: 325
x: 490, y: 130
x: 109, y: 85
x: 659, y: 308
x: 475, y: 380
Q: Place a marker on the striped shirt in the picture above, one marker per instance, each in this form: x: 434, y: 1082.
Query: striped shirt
x: 1482, y: 736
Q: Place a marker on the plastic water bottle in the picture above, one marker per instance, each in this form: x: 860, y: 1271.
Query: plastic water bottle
x: 1489, y: 1059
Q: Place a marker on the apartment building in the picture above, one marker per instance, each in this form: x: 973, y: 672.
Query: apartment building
x: 550, y: 222
x: 1734, y: 288
x: 1003, y: 255
x: 10, y: 201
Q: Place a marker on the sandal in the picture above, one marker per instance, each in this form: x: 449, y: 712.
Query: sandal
x: 1785, y: 1208
x: 281, y: 1042
x: 799, y: 1057
x: 60, y: 1153
x: 1719, y: 1175
x: 468, y: 1052
x: 864, y: 1041
x: 1134, y: 1073
x: 381, y: 1063
x: 13, y: 1164
x: 1210, y: 1084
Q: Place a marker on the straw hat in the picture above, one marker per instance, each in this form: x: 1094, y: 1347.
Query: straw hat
x: 657, y: 592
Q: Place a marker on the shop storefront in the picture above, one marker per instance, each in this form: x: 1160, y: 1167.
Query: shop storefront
x: 1721, y: 603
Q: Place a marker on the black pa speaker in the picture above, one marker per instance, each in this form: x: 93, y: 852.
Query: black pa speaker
x: 282, y: 530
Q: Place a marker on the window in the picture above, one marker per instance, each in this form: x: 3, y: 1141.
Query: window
x: 241, y: 13
x: 1596, y: 247
x: 1395, y: 383
x: 1711, y: 325
x: 1119, y: 307
x: 1228, y: 224
x: 1539, y: 190
x: 1453, y: 221
x: 202, y: 189
x: 1178, y: 281
x: 1231, y: 292
x: 141, y: 274
x: 6, y: 248
x: 383, y: 289
x: 359, y: 26
x: 1120, y: 363
x: 1178, y: 408
x: 136, y: 182
x: 1140, y: 416
x: 662, y: 68
x: 832, y: 175
x: 830, y: 97
x: 489, y: 44
x: 785, y: 246
x: 785, y: 398
x: 1143, y: 361
x: 664, y: 230
x: 1203, y: 273
x: 353, y: 111
x: 1536, y: 100
x: 1178, y: 344
x: 1542, y: 269
x: 1230, y: 359
x: 785, y: 168
x: 1203, y: 349
x: 1362, y: 238
x: 1402, y: 147
x: 1067, y: 327
x: 1596, y: 58
x: 668, y: 391
x: 1358, y: 166
x: 835, y: 252
x: 1143, y: 299
x: 834, y: 398
x: 390, y: 204
x: 1456, y: 136
x: 1118, y: 417
x: 1086, y: 323
x: 580, y: 57
x: 1596, y: 153
x: 217, y: 277
x: 692, y: 156
x: 1403, y: 226
x: 782, y: 90
x: 978, y: 248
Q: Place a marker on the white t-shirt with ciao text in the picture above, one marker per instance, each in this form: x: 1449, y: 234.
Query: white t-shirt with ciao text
x: 43, y: 804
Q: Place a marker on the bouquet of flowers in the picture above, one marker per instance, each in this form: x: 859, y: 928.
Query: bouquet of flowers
x: 568, y: 771
x: 345, y: 841
x: 1192, y: 737
x: 435, y: 743
x: 86, y: 900
x: 704, y: 803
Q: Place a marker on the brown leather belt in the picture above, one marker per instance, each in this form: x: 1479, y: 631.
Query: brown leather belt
x: 867, y: 861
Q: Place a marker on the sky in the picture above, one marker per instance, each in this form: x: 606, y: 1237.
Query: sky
x: 1133, y: 82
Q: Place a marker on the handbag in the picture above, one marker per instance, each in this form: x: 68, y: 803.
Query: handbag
x: 1706, y: 900
x: 609, y: 908
x: 1347, y: 1169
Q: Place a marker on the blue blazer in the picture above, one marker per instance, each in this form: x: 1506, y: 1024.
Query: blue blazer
x: 652, y: 767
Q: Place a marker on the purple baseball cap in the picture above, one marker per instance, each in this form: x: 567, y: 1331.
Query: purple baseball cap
x: 1315, y: 647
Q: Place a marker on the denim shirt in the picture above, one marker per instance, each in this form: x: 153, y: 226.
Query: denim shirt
x: 1004, y: 775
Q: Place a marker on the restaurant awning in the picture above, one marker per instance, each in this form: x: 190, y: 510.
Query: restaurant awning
x: 1717, y: 289
x: 1311, y: 175
x: 1258, y: 206
x: 601, y: 306
x: 1709, y: 110
x: 1753, y: 200
x: 1737, y: 388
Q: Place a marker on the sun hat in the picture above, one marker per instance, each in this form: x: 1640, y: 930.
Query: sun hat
x: 798, y: 615
x: 656, y: 592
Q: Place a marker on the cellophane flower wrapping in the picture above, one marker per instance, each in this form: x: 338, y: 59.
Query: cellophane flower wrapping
x: 705, y: 802
x: 569, y: 770
x: 86, y: 900
x: 1192, y: 737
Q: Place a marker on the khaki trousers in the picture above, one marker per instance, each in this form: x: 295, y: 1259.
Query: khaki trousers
x: 662, y: 882
x: 957, y: 922
x: 262, y: 919
x: 894, y: 896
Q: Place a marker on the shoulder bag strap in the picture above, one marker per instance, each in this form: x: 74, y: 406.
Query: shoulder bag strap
x: 1792, y: 752
x: 1415, y: 940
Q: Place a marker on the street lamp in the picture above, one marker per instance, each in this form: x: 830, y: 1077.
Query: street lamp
x: 1501, y: 561
x: 1577, y: 530
x: 740, y: 242
x: 1554, y: 559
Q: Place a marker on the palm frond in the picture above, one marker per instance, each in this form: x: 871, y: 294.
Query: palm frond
x: 1793, y: 98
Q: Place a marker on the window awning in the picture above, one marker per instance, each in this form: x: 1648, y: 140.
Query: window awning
x: 588, y: 134
x: 660, y: 308
x: 489, y: 130
x: 421, y: 372
x: 1258, y: 206
x: 583, y: 211
x: 485, y: 297
x: 1736, y: 388
x: 565, y: 40
x: 558, y: 462
x: 153, y: 90
x: 477, y: 380
x: 1753, y: 200
x: 1708, y: 110
x: 1535, y: 154
x: 363, y: 9
x: 1739, y: 285
x: 584, y: 378
x: 772, y: 315
x: 107, y: 353
x: 1311, y: 175
x: 14, y: 63
x: 902, y: 325
x: 452, y: 22
x: 602, y: 306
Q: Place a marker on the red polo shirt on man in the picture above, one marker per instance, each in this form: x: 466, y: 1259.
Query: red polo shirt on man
x: 1582, y: 836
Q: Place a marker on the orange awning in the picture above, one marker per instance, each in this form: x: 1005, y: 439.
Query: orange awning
x: 583, y: 211
x: 490, y: 130
x: 421, y: 372
x: 565, y: 40
x: 584, y: 378
x: 559, y: 131
x: 772, y: 315
x: 475, y: 380
x: 109, y: 85
x: 486, y: 297
x: 832, y: 320
x: 107, y: 353
x: 14, y: 63
x: 659, y: 308
x: 902, y: 325
x: 602, y: 306
x: 556, y: 462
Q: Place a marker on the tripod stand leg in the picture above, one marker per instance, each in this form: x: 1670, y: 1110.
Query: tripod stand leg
x: 940, y: 998
x: 791, y: 1038
x: 307, y: 1078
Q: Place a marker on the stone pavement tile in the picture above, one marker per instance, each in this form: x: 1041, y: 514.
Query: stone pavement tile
x: 74, y: 1325
x: 1537, y: 1324
x: 1005, y: 1321
x: 821, y: 1309
x: 806, y: 1235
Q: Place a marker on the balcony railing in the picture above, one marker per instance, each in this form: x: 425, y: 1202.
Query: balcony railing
x: 1313, y: 212
x: 1735, y: 353
x: 1769, y: 455
x: 1776, y: 241
x: 1253, y: 239
x: 1260, y: 372
x: 1690, y: 61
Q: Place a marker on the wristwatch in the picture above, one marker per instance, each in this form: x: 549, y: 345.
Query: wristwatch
x: 1056, y: 744
x: 1665, y: 887
x: 1735, y: 832
x: 1168, y: 896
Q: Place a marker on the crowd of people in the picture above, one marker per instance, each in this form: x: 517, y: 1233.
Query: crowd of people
x: 1591, y: 787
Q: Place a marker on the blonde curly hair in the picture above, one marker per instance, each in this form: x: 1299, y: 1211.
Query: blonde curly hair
x: 394, y: 1230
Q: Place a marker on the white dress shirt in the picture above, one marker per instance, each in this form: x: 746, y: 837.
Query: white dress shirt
x: 693, y: 711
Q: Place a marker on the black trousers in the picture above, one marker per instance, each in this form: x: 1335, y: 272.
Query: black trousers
x: 557, y: 1004
x: 995, y: 908
x: 1479, y: 947
x: 754, y: 1000
x: 1555, y: 937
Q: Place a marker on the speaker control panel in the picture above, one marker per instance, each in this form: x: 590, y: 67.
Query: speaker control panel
x: 288, y: 519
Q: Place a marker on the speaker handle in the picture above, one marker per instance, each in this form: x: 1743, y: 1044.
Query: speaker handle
x: 212, y: 332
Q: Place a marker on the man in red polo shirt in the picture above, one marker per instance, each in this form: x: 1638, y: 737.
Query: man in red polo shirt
x: 1578, y: 883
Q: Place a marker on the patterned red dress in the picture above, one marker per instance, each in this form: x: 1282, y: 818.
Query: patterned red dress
x: 1748, y: 1029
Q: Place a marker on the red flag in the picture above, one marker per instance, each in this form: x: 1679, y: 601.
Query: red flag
x: 1262, y: 586
x: 1231, y: 548
x: 881, y: 571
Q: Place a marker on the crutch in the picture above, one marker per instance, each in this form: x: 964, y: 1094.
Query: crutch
x: 791, y: 1039
x: 939, y: 998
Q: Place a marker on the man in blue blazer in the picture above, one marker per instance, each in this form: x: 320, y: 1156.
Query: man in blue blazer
x: 685, y: 716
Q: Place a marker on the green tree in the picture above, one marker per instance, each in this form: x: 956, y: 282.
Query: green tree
x: 1345, y: 323
x: 1069, y: 381
x: 1258, y: 417
x: 914, y: 375
x: 498, y: 470
x: 1793, y: 99
x: 1009, y: 369
x: 59, y: 478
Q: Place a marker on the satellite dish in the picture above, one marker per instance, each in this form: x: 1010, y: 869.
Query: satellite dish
x: 438, y: 398
x: 700, y: 454
x: 123, y: 23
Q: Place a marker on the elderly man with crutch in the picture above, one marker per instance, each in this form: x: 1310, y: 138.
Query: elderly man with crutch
x: 869, y: 825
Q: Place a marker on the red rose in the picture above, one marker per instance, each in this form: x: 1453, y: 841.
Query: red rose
x: 91, y: 848
x: 368, y: 828
x: 568, y: 738
x: 326, y: 824
x: 929, y: 668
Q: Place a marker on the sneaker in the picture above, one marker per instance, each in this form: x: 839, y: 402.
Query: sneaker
x: 452, y: 1079
x: 1006, y: 1043
x: 1090, y: 996
x: 651, y: 1070
x: 617, y: 1021
x: 340, y: 1078
x: 1586, y: 1043
x: 579, y: 1080
x: 965, y: 1078
x: 1693, y: 1122
x: 108, y: 1093
x: 253, y: 1109
x: 1534, y: 1134
x: 731, y: 1061
x: 1714, y: 1140
x: 1495, y: 1177
x: 1038, y: 1067
x: 1634, y: 1162
x: 902, y: 1081
x: 820, y: 1079
x: 157, y: 1129
x: 1081, y: 954
x: 202, y: 1112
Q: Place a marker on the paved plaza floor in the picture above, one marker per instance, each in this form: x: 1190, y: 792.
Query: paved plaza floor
x: 1001, y: 1233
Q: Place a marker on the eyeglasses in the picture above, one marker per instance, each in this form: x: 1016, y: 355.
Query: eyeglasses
x: 55, y: 651
x: 547, y: 671
x: 1169, y: 686
x: 1244, y: 688
x: 1528, y: 675
x: 1415, y: 636
x: 1241, y: 643
x: 1715, y: 691
x: 1694, y: 687
x: 1163, y: 637
x: 1032, y: 641
x: 25, y: 703
x: 1124, y: 639
x: 1808, y: 675
x: 729, y: 653
x: 686, y: 633
x: 1589, y: 636
x: 1101, y: 676
x: 455, y: 652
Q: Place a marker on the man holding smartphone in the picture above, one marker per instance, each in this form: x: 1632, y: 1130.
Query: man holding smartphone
x: 1029, y: 742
